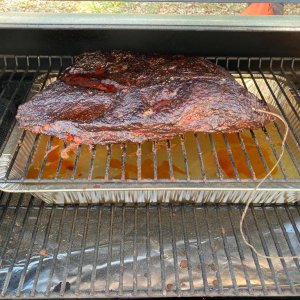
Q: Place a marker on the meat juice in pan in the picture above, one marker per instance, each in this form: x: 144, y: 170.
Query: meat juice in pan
x: 147, y: 168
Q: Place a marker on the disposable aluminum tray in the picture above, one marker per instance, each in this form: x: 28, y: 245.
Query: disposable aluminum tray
x: 191, y: 168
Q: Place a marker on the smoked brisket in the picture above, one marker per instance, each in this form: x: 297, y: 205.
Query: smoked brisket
x: 118, y: 97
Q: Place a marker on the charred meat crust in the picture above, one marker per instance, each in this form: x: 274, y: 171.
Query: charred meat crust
x: 119, y: 97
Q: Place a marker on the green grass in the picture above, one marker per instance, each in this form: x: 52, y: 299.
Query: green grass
x: 112, y: 7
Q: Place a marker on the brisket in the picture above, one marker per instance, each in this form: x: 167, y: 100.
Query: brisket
x: 119, y: 97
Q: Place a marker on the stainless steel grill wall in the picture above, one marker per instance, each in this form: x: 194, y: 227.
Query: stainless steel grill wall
x: 202, y: 35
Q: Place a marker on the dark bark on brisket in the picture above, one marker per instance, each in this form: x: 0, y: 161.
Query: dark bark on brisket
x: 120, y: 97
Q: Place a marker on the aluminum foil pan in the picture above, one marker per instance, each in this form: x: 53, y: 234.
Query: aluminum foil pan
x: 283, y: 187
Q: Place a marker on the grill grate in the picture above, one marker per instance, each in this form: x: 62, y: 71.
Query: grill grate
x: 17, y: 76
x: 186, y: 157
x: 151, y: 250
x: 147, y: 250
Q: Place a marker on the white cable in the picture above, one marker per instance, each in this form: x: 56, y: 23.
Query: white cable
x: 259, y: 184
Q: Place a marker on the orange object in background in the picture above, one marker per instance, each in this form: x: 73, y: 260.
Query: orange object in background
x: 258, y: 9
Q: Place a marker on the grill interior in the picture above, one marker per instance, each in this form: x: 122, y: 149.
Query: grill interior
x: 151, y: 250
x: 123, y: 250
x: 195, y: 161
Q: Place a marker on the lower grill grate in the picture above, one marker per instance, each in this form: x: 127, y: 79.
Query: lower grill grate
x: 137, y: 251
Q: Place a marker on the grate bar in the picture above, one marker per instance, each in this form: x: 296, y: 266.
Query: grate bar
x: 95, y: 259
x: 275, y: 123
x: 279, y: 251
x: 280, y: 108
x: 266, y: 251
x: 251, y: 131
x: 109, y: 250
x: 292, y: 250
x: 246, y: 156
x: 92, y: 163
x: 70, y: 245
x: 10, y: 102
x: 4, y: 69
x: 290, y: 83
x: 293, y: 68
x: 123, y: 161
x: 174, y: 250
x: 148, y: 250
x: 239, y: 135
x: 263, y: 128
x: 154, y: 160
x: 49, y: 143
x: 215, y: 259
x: 262, y: 97
x: 161, y: 253
x: 215, y: 155
x: 284, y: 93
x: 76, y: 162
x: 121, y: 273
x: 24, y: 133
x: 240, y: 251
x: 13, y: 222
x: 268, y: 138
x: 297, y: 208
x: 54, y: 261
x: 19, y: 60
x: 30, y: 157
x: 26, y: 264
x: 293, y: 223
x: 135, y: 251
x: 199, y: 153
x: 41, y: 258
x: 82, y: 247
x: 2, y: 196
x: 246, y: 228
x: 139, y: 161
x: 185, y: 159
x: 289, y: 150
x: 9, y: 81
x: 172, y: 177
x: 60, y: 162
x: 228, y: 148
x: 16, y: 152
x: 15, y: 253
x: 107, y: 166
x: 200, y: 252
x: 51, y: 138
x: 187, y: 251
x: 227, y: 252
x: 260, y: 153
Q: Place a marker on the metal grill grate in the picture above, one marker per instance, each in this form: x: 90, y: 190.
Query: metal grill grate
x: 137, y: 251
x: 17, y: 75
x: 231, y: 160
x: 150, y: 250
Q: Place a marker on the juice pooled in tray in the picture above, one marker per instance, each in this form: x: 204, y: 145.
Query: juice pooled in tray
x: 204, y: 154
